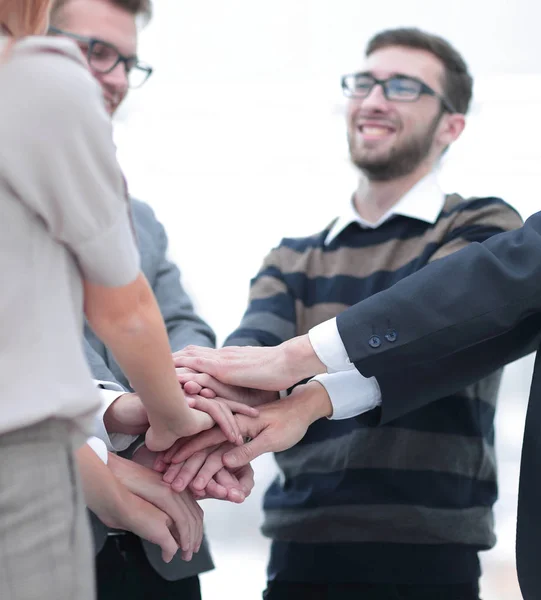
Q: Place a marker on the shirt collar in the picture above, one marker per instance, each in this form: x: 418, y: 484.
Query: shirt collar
x: 424, y: 202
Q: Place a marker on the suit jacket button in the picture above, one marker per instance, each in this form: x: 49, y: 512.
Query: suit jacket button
x: 374, y: 341
x: 391, y: 335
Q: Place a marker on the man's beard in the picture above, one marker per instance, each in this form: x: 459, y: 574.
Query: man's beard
x: 401, y: 161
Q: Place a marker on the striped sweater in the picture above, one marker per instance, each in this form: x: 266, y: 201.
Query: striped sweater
x: 408, y: 502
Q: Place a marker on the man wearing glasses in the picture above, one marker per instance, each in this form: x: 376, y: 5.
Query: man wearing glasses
x: 400, y: 510
x: 127, y: 567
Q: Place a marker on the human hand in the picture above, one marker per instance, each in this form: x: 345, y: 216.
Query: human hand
x: 202, y: 414
x: 126, y: 415
x: 238, y: 484
x: 280, y: 425
x: 116, y: 506
x: 205, y: 385
x: 273, y: 368
x: 221, y: 410
x: 204, y: 474
x: 148, y: 522
x: 183, y: 510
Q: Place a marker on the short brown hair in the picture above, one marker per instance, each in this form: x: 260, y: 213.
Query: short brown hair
x: 458, y: 83
x: 137, y: 8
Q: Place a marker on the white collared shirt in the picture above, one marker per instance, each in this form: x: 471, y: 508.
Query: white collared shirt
x: 350, y: 393
x: 104, y: 441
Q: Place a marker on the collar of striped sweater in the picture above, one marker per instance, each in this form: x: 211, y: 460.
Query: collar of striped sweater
x: 424, y: 201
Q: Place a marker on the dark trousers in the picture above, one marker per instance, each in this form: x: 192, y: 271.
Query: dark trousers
x: 123, y: 571
x: 284, y: 590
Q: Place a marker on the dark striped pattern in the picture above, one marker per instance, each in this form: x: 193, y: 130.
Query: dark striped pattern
x: 428, y: 480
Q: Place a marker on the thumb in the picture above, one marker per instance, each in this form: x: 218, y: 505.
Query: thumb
x: 242, y: 455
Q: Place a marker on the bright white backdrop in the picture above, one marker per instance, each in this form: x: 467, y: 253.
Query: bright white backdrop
x: 239, y: 139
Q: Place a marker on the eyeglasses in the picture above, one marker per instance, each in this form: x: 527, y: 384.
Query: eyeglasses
x: 104, y: 57
x: 398, y: 88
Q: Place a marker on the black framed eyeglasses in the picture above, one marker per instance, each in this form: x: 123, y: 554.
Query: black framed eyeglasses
x: 398, y: 88
x: 104, y: 57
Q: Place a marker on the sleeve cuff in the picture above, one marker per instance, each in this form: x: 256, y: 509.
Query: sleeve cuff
x: 115, y: 442
x: 328, y: 346
x: 350, y: 393
x: 99, y: 448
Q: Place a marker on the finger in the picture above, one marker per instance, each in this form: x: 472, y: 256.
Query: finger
x: 242, y: 455
x: 207, y: 393
x: 231, y: 483
x: 168, y: 455
x: 191, y: 387
x: 189, y: 470
x: 212, y: 465
x: 190, y: 356
x: 198, y: 539
x: 213, y: 490
x: 167, y: 543
x: 246, y: 478
x: 183, y: 523
x: 172, y: 472
x: 198, y: 363
x: 201, y: 529
x: 184, y: 371
x: 222, y: 416
x: 198, y: 495
x: 159, y: 462
x: 206, y: 381
x: 193, y: 515
x: 212, y: 437
x: 243, y: 409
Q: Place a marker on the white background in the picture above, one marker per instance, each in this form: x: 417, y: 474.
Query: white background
x: 239, y: 139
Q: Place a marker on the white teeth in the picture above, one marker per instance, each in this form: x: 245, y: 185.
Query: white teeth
x: 375, y: 130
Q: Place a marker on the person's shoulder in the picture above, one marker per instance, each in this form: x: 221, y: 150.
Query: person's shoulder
x: 143, y: 213
x: 455, y: 203
x: 52, y: 72
x: 308, y: 242
x: 48, y: 46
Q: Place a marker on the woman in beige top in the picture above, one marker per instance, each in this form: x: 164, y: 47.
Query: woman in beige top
x: 66, y: 244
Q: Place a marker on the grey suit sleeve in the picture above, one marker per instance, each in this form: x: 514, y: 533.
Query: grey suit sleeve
x: 184, y: 327
x: 99, y: 368
x: 468, y: 313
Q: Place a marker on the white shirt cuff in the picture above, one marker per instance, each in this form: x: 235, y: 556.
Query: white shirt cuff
x: 115, y: 442
x: 328, y: 346
x: 99, y: 448
x: 350, y: 393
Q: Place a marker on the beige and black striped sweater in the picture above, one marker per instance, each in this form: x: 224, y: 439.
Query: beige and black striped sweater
x: 409, y: 502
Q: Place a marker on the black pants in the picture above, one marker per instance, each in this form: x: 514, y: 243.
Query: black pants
x: 123, y: 571
x: 283, y: 590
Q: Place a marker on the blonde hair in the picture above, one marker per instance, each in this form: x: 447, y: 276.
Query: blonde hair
x: 25, y: 17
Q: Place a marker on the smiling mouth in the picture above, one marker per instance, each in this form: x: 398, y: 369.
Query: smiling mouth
x: 375, y: 131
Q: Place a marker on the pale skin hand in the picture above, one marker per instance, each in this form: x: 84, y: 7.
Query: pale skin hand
x: 280, y: 425
x: 275, y: 368
x: 126, y: 414
x: 186, y: 514
x: 233, y: 485
x: 203, y: 384
x: 213, y: 480
x: 203, y: 413
x: 118, y: 507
